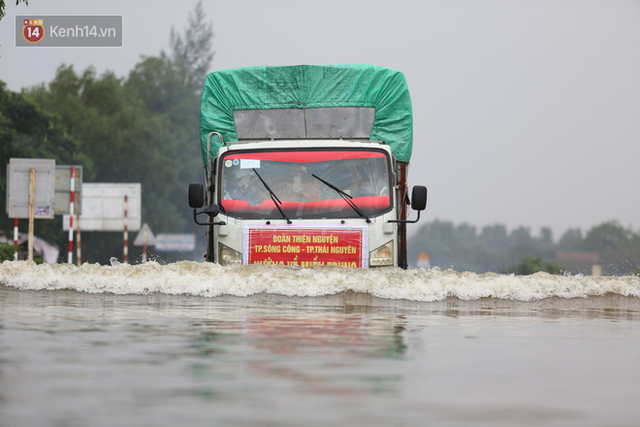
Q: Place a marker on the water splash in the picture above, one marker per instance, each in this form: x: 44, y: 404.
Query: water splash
x: 212, y: 280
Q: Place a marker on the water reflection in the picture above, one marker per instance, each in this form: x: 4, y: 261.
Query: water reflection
x: 311, y: 352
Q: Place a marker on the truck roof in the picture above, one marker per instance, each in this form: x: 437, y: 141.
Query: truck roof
x: 344, y: 87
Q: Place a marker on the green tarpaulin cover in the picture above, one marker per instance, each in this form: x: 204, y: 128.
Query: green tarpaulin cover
x: 309, y: 86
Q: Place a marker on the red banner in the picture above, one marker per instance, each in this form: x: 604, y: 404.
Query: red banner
x: 305, y: 247
x: 304, y: 156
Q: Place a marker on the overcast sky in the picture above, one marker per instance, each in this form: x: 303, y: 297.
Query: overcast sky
x: 526, y: 112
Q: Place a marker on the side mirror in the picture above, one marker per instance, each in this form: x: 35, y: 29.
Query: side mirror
x: 419, y: 197
x: 212, y: 210
x: 196, y: 195
x: 418, y: 203
x: 196, y: 200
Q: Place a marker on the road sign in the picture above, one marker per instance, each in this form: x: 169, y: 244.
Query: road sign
x: 18, y: 188
x: 175, y: 242
x: 140, y: 238
x: 103, y: 207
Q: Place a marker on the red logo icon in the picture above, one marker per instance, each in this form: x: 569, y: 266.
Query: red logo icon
x: 33, y: 30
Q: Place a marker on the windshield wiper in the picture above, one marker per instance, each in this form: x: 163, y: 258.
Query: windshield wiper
x: 347, y: 197
x: 276, y: 200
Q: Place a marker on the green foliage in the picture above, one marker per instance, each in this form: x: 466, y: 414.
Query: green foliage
x: 571, y: 239
x: 29, y: 131
x: 619, y: 248
x: 6, y: 251
x: 192, y: 49
x: 461, y: 248
x: 493, y: 249
x: 2, y: 7
x: 143, y: 128
x: 531, y: 265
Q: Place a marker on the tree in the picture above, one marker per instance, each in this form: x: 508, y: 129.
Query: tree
x: 141, y: 129
x: 495, y: 236
x: 570, y: 240
x: 466, y: 232
x: 531, y: 265
x: 6, y: 251
x: 545, y: 244
x: 458, y: 248
x: 607, y: 237
x: 619, y: 248
x: 438, y: 238
x: 193, y: 48
x: 160, y: 85
x: 128, y: 140
x: 519, y: 252
x: 521, y: 244
x: 2, y: 7
x: 29, y: 131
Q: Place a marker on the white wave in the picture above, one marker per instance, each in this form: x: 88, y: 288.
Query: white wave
x: 211, y: 280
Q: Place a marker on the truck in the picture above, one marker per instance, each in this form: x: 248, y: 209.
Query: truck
x: 306, y: 166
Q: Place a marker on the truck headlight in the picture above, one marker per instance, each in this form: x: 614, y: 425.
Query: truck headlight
x: 227, y: 256
x: 382, y: 256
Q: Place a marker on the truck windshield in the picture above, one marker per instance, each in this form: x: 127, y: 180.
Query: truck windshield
x: 358, y: 178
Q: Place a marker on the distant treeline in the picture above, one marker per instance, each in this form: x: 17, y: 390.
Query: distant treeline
x: 493, y: 249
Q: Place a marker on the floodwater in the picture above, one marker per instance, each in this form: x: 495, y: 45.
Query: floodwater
x: 202, y: 345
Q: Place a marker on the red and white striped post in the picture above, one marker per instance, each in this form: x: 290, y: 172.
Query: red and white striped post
x: 78, y: 243
x: 32, y: 205
x: 126, y: 231
x: 71, y: 212
x: 15, y: 239
x: 144, y: 245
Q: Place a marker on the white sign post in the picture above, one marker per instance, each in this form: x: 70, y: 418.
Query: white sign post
x: 110, y: 207
x: 103, y: 207
x: 31, y: 191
